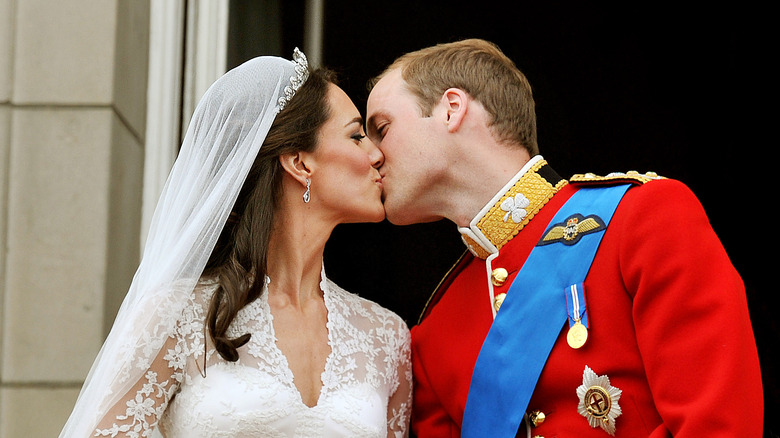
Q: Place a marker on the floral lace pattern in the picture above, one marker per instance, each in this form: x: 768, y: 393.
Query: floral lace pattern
x: 190, y: 391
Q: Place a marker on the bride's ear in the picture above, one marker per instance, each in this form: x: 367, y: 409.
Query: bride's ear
x: 295, y: 165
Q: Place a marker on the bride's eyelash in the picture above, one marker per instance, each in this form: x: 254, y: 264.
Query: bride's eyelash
x: 358, y: 137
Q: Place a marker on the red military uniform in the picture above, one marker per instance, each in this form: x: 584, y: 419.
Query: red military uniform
x: 668, y: 324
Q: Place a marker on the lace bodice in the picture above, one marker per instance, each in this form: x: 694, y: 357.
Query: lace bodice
x: 366, y: 384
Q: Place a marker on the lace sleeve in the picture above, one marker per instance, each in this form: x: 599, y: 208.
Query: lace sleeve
x: 400, y: 404
x: 137, y: 413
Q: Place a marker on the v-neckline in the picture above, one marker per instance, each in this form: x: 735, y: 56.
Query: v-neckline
x: 284, y: 363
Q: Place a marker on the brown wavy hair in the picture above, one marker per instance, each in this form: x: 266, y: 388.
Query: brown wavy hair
x: 239, y: 259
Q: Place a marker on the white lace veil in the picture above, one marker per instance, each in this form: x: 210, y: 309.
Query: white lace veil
x: 227, y: 129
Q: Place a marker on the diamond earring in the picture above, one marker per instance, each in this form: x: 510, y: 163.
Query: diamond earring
x: 307, y: 193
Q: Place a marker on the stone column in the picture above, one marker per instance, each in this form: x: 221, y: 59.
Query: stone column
x: 72, y: 124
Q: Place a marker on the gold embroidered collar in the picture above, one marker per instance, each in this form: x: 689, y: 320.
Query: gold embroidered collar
x: 512, y: 208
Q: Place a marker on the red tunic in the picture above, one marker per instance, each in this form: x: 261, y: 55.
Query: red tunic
x: 669, y: 326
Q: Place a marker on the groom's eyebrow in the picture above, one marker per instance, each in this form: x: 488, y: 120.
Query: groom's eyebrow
x: 371, y: 124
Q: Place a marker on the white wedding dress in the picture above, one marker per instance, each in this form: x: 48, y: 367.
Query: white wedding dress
x: 193, y: 392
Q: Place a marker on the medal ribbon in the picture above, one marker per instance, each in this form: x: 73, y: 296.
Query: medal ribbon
x: 530, y: 320
x: 575, y: 304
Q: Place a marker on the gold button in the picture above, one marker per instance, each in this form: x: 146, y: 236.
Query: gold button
x: 536, y: 417
x: 498, y: 276
x: 498, y: 301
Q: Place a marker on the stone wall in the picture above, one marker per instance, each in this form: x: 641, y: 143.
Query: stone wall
x: 73, y: 79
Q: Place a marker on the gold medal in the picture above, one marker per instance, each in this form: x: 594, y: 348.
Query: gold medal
x: 577, y: 336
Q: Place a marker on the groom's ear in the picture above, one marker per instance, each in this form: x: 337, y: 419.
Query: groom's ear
x: 455, y: 102
x: 295, y: 165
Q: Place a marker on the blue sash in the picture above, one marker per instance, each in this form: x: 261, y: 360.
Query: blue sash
x: 530, y: 320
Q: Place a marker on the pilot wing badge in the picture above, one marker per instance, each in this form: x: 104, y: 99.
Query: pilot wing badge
x: 572, y: 229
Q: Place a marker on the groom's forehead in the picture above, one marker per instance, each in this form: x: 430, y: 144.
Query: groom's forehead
x: 390, y: 82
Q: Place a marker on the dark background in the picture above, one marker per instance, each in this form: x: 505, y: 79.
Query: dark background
x: 678, y: 90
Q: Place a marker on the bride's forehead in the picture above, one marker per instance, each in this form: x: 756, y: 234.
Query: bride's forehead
x: 342, y: 110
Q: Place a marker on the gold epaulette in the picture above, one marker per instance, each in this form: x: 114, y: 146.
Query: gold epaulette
x: 631, y: 177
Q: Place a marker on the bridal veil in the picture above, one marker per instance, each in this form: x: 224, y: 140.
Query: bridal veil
x: 227, y: 130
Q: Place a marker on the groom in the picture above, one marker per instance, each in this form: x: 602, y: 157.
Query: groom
x: 586, y: 307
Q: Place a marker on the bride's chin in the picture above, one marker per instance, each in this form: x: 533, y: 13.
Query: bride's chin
x: 373, y: 214
x: 378, y: 215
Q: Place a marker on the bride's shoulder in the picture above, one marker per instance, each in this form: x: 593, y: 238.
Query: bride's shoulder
x: 203, y: 291
x: 191, y: 296
x: 357, y: 307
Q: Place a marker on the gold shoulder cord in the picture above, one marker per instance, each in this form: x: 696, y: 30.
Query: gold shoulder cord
x: 631, y: 176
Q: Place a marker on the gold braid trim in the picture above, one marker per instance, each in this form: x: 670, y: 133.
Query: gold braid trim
x: 536, y: 189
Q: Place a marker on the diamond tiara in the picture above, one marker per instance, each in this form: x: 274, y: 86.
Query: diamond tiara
x: 300, y: 76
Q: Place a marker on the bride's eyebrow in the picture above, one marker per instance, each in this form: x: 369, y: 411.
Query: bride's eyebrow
x: 358, y: 120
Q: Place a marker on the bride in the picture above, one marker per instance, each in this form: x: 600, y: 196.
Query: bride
x: 231, y: 327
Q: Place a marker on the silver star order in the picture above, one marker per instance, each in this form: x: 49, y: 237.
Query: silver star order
x: 599, y: 401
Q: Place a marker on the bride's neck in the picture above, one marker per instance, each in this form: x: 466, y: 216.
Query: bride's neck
x: 295, y: 255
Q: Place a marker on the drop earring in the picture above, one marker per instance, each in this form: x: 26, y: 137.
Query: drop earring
x: 307, y: 193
